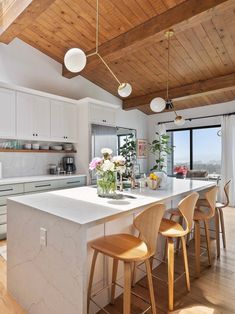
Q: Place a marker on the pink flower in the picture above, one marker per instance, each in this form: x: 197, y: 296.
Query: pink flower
x: 94, y: 163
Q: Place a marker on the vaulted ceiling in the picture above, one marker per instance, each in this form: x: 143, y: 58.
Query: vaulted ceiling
x: 133, y: 44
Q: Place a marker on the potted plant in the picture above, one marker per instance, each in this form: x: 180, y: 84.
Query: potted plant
x: 160, y: 148
x: 128, y: 151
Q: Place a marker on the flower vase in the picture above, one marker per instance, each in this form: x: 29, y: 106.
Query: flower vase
x: 107, y: 184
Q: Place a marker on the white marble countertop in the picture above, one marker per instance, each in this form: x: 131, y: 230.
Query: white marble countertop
x: 83, y: 206
x: 15, y: 180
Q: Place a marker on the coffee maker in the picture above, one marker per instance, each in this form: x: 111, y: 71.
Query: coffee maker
x: 69, y: 165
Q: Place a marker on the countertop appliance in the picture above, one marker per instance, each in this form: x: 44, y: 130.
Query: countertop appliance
x: 69, y: 165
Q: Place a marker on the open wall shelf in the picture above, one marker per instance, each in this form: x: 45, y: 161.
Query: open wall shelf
x: 11, y: 150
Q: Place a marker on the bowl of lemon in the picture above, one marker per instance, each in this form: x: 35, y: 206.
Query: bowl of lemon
x: 153, y: 181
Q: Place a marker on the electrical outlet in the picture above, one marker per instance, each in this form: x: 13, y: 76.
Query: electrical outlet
x: 43, y: 236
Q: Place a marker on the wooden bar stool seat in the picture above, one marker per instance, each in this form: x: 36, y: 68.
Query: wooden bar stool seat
x: 124, y: 247
x: 130, y: 249
x: 171, y: 230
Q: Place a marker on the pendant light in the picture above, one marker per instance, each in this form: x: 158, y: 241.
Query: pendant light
x: 75, y: 60
x: 158, y: 104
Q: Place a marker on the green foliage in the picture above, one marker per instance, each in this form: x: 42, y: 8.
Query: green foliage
x: 128, y: 150
x: 160, y: 148
x: 107, y: 182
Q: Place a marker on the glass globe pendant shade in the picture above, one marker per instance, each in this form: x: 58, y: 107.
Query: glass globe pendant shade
x: 124, y: 90
x: 75, y: 60
x: 158, y: 104
x: 179, y: 120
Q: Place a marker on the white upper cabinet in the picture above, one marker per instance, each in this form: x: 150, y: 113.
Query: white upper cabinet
x: 63, y: 121
x: 33, y: 117
x: 7, y: 113
x: 102, y: 115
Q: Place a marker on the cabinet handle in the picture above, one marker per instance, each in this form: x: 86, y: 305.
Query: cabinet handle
x: 33, y: 134
x: 42, y: 185
x: 6, y: 190
x: 73, y: 182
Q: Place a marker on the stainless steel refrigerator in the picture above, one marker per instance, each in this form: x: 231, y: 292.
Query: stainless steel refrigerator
x: 102, y: 137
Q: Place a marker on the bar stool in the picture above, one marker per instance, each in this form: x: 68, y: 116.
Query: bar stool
x: 173, y: 230
x: 219, y: 216
x: 130, y: 249
x: 202, y: 216
x: 219, y: 207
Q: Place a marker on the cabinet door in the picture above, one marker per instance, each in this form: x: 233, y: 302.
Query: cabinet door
x: 102, y: 115
x: 57, y: 120
x: 7, y: 113
x: 70, y: 119
x: 63, y: 121
x: 33, y: 117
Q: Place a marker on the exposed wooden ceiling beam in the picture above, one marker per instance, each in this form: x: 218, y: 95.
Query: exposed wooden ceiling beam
x: 221, y: 83
x: 180, y: 17
x: 19, y: 16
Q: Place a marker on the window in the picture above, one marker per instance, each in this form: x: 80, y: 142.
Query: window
x: 196, y: 148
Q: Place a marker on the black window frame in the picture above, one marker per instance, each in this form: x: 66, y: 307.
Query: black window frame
x: 191, y: 137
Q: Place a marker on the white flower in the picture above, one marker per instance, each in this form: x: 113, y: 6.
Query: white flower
x: 106, y: 151
x: 120, y: 160
x: 121, y: 169
x: 108, y: 166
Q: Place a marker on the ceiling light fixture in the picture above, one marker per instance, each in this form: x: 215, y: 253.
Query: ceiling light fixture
x: 158, y: 104
x: 75, y: 60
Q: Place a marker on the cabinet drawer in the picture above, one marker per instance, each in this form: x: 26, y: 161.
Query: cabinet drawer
x: 40, y: 186
x: 72, y: 182
x: 3, y: 210
x: 3, y: 232
x: 11, y: 189
x: 3, y: 219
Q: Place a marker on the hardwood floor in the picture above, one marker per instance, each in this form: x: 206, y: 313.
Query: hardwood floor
x: 212, y: 293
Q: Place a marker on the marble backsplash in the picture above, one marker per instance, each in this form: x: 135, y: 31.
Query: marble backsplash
x: 27, y: 164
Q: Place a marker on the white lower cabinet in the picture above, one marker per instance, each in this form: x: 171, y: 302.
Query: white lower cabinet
x: 11, y: 190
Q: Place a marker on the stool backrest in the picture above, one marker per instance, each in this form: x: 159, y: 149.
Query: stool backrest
x: 148, y: 223
x: 211, y: 199
x: 226, y: 191
x: 187, y: 207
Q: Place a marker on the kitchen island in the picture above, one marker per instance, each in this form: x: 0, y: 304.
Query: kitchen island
x: 48, y: 256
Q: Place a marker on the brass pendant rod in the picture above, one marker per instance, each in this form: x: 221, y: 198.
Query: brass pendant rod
x: 97, y: 45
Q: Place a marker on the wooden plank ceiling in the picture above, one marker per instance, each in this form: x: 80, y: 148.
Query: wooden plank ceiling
x: 203, y: 48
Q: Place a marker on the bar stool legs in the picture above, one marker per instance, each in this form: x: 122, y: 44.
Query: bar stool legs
x: 127, y: 288
x: 114, y: 278
x: 186, y: 263
x: 221, y: 214
x: 197, y: 247
x: 217, y: 232
x: 95, y: 254
x: 170, y: 254
x: 208, y: 241
x: 150, y: 284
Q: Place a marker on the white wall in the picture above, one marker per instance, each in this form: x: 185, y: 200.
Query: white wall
x: 220, y: 109
x: 23, y: 65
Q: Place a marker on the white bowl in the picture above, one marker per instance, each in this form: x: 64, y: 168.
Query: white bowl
x: 57, y: 147
x: 27, y: 146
